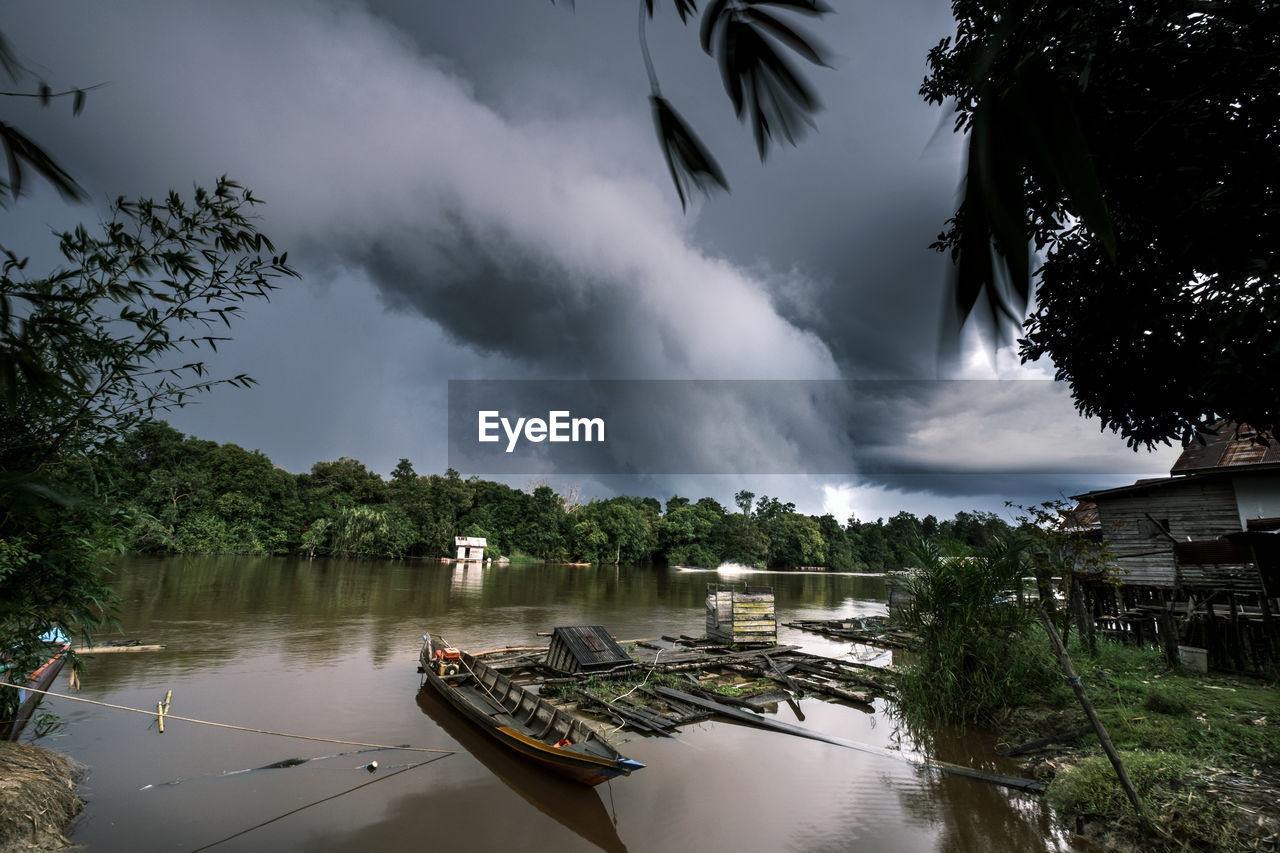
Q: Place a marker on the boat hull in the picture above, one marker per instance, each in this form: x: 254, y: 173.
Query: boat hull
x: 524, y: 722
x: 28, y: 699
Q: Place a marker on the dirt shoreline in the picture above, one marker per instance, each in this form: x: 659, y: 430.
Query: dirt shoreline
x: 37, y: 797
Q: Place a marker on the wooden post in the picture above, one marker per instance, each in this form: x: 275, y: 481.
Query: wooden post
x: 1237, y: 641
x: 1082, y: 624
x: 1099, y: 729
x: 1271, y: 628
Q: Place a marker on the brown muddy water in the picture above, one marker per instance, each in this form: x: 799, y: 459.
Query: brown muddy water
x: 329, y: 649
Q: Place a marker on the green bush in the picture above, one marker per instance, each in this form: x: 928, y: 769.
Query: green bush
x: 981, y: 652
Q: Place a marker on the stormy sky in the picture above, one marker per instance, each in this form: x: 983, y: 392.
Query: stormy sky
x: 472, y: 190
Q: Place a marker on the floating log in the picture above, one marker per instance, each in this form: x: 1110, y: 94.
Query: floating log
x: 695, y: 660
x: 752, y: 718
x: 832, y: 690
x: 804, y: 685
x: 875, y: 684
x: 836, y: 628
x: 102, y: 650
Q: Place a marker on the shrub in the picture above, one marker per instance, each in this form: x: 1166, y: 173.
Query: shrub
x: 980, y: 653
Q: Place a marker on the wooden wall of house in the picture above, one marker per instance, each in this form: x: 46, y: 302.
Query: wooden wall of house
x: 1199, y: 508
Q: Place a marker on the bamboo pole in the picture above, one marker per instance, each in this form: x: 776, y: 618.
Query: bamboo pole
x: 1099, y: 729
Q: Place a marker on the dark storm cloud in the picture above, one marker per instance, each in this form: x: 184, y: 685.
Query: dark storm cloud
x: 489, y: 167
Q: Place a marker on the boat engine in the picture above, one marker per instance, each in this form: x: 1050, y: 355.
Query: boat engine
x: 448, y: 661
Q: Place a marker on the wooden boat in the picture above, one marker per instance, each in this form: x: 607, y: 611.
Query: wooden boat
x: 41, y: 679
x: 578, y: 808
x: 518, y: 718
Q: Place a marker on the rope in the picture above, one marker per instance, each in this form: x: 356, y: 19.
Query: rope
x: 316, y: 803
x: 168, y: 716
x: 653, y: 666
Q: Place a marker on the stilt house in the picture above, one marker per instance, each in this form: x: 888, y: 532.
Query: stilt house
x: 1202, y: 543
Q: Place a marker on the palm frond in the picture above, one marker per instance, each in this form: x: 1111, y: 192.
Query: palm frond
x: 20, y: 152
x: 763, y: 86
x: 688, y: 160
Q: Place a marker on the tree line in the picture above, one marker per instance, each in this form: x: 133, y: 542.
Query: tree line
x: 188, y: 495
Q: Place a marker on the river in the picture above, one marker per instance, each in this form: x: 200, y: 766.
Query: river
x: 328, y: 648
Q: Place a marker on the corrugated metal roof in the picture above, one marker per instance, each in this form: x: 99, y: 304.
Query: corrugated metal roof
x: 1230, y: 448
x: 584, y: 648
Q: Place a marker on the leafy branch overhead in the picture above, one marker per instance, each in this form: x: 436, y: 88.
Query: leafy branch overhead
x: 1135, y: 146
x: 21, y: 152
x: 750, y: 41
x: 94, y: 347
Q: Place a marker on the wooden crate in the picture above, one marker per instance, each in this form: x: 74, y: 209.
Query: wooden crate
x: 738, y: 615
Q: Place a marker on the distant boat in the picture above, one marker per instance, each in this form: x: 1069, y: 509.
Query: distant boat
x: 518, y: 718
x: 41, y: 679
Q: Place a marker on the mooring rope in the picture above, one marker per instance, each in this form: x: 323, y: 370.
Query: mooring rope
x: 169, y: 716
x: 316, y: 803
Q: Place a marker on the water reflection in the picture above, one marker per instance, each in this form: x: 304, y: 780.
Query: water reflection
x: 575, y: 807
x: 329, y: 647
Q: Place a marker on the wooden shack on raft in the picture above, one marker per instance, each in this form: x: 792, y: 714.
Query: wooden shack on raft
x: 585, y: 649
x: 1198, y: 551
x: 741, y: 614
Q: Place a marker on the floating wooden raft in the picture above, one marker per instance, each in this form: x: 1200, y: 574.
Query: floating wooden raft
x: 851, y: 629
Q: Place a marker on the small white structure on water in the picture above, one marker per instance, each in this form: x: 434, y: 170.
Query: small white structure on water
x: 470, y: 548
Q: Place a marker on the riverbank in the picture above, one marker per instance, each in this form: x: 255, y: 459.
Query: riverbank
x: 37, y: 797
x: 1203, y: 751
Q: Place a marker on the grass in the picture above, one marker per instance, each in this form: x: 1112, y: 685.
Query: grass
x: 1183, y: 813
x: 1180, y: 734
x: 1217, y: 719
x: 968, y: 676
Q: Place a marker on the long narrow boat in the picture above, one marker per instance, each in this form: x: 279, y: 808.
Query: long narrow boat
x: 39, y: 680
x: 519, y: 718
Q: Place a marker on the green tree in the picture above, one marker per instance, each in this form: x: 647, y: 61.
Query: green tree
x: 684, y: 535
x: 87, y: 353
x: 542, y: 530
x: 340, y: 483
x: 448, y: 499
x: 796, y: 540
x: 1135, y: 144
x: 839, y: 551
